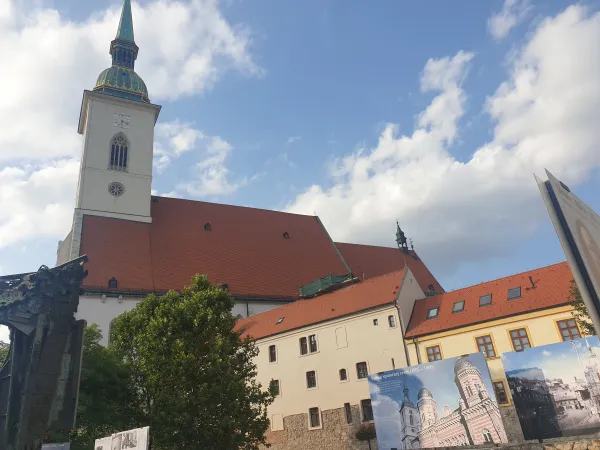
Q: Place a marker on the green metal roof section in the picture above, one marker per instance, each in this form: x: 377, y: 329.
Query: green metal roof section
x: 325, y: 284
x: 125, y: 30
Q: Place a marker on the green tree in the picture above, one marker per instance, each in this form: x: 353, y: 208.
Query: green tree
x: 195, y: 376
x: 107, y: 401
x: 580, y: 313
x: 4, y: 347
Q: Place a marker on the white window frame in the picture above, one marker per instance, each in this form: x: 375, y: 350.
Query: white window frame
x: 320, y: 426
x: 347, y: 375
x: 393, y: 317
x: 368, y: 370
x: 279, y: 381
x: 276, y: 353
x: 316, y: 380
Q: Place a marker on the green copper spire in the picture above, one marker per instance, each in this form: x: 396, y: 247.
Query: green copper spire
x: 125, y: 30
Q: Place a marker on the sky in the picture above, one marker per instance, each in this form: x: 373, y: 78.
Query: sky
x: 565, y: 360
x: 433, y: 114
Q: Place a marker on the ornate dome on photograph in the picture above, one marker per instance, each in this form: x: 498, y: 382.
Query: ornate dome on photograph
x: 424, y: 393
x: 461, y: 364
x: 120, y: 79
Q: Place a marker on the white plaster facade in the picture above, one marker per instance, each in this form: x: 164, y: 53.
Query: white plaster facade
x: 342, y: 343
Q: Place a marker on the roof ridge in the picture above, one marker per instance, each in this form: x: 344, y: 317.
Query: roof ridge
x: 499, y: 279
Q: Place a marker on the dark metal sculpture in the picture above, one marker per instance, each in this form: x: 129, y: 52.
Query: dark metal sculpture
x: 40, y: 379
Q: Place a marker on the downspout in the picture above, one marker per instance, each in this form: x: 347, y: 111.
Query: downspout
x: 416, y: 343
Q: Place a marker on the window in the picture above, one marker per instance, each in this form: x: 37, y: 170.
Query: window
x: 487, y: 437
x: 514, y: 293
x: 118, y: 152
x: 112, y: 283
x: 361, y: 370
x: 275, y: 387
x: 207, y: 227
x: 116, y: 189
x: 433, y: 313
x: 348, y: 411
x: 391, y: 321
x: 312, y: 340
x: 367, y: 410
x: 434, y: 353
x: 343, y: 375
x: 568, y: 329
x: 520, y: 340
x: 314, y: 417
x: 286, y: 235
x: 500, y: 391
x: 411, y: 420
x: 375, y: 322
x: 485, y: 345
x: 311, y: 379
x: 303, y: 346
x: 458, y: 306
x: 272, y: 353
x: 485, y: 300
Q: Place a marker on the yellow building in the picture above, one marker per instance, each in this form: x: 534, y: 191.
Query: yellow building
x: 509, y: 314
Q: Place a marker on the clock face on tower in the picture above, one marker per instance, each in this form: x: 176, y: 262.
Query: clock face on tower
x: 121, y: 121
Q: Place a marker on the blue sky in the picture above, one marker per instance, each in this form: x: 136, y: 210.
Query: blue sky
x: 435, y: 114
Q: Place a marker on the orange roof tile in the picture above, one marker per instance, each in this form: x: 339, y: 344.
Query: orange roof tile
x: 551, y: 289
x: 357, y: 297
x: 371, y: 261
x: 244, y: 249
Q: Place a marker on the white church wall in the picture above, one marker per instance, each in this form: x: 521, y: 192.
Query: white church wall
x: 99, y: 131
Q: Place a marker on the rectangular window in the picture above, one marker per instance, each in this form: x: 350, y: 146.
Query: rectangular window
x: 367, y: 410
x: 314, y: 417
x: 434, y: 353
x: 520, y: 340
x: 303, y: 346
x: 433, y: 313
x: 392, y: 321
x: 485, y: 300
x: 458, y: 306
x: 343, y: 375
x: 311, y: 379
x: 275, y: 387
x: 514, y: 293
x: 312, y: 341
x: 500, y: 391
x: 568, y: 329
x: 375, y: 322
x: 486, y: 346
x: 272, y: 353
x: 348, y: 411
x: 361, y: 370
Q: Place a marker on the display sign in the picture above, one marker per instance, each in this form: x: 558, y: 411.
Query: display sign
x: 444, y: 403
x: 578, y: 229
x: 126, y: 440
x: 556, y: 388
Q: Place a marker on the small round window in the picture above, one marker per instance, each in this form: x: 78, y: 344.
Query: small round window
x: 116, y: 189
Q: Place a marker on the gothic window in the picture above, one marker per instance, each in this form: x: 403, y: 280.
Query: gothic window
x: 119, y: 148
x: 469, y: 390
x: 410, y: 418
x: 487, y: 436
x: 113, y: 283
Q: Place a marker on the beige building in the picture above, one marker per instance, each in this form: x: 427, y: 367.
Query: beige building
x: 318, y: 352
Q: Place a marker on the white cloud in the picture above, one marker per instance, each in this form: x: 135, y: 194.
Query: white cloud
x: 545, y: 115
x: 546, y: 353
x: 185, y: 47
x: 512, y: 14
x: 171, y: 140
x: 292, y: 139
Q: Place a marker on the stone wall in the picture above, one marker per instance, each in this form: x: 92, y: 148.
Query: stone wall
x: 335, y: 434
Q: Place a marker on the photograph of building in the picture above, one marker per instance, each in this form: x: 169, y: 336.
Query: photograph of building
x: 442, y: 404
x: 556, y: 388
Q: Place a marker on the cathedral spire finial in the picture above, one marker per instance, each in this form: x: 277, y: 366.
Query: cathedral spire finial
x: 122, y: 48
x: 125, y: 30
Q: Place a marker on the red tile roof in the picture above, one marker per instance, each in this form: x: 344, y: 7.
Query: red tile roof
x: 245, y: 249
x: 551, y: 289
x: 372, y: 261
x: 352, y: 299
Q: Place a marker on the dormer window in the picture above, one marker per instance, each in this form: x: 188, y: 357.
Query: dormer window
x: 286, y: 235
x: 433, y: 313
x: 279, y: 320
x: 207, y: 226
x: 112, y: 283
x: 485, y: 300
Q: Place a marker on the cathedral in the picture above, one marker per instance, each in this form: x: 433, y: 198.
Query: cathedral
x: 476, y: 421
x: 138, y: 243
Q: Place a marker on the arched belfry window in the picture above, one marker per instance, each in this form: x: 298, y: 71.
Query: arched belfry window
x: 119, y: 148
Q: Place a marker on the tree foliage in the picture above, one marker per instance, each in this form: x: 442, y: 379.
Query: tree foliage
x: 107, y: 401
x: 193, y: 374
x: 580, y: 313
x: 4, y: 347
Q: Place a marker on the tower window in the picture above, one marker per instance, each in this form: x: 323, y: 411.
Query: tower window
x: 207, y: 226
x: 286, y: 235
x: 112, y: 283
x: 118, y: 153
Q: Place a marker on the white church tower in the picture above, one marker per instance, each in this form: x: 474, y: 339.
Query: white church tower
x: 117, y: 123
